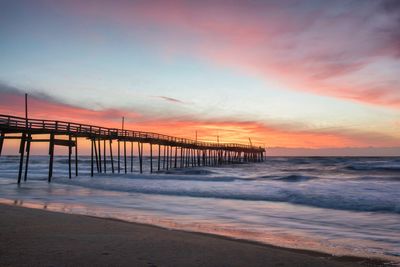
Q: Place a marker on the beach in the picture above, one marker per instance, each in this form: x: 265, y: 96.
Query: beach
x: 32, y: 237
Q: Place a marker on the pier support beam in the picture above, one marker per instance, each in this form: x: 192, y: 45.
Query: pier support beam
x: 69, y: 157
x: 51, y: 153
x: 2, y: 135
x: 163, y: 163
x: 140, y: 150
x: 91, y: 158
x: 151, y: 158
x: 119, y: 156
x: 96, y: 155
x: 167, y: 157
x: 21, y: 158
x: 99, y: 162
x: 181, y: 161
x: 76, y: 156
x: 131, y: 156
x: 28, y: 149
x: 104, y: 156
x: 111, y: 157
x: 159, y: 157
x: 176, y: 156
x: 125, y: 168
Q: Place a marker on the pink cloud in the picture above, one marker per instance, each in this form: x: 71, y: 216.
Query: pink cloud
x: 42, y: 107
x: 318, y: 47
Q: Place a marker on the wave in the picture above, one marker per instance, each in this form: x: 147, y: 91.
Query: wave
x: 186, y: 178
x: 339, y: 200
x: 190, y: 172
x: 295, y: 178
x: 380, y: 178
x: 365, y: 167
x: 289, y: 178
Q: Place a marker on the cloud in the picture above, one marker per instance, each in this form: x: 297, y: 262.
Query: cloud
x: 41, y: 105
x: 170, y: 99
x: 343, y: 49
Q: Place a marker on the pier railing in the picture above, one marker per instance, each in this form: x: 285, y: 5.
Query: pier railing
x: 63, y: 127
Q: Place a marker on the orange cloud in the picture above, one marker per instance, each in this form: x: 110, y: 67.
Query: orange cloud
x: 228, y: 130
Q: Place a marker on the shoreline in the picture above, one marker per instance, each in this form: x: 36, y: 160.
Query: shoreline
x: 27, y: 235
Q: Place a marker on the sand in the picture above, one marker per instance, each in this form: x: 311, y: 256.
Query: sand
x: 30, y: 237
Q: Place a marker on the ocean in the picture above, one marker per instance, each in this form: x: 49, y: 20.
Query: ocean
x: 337, y: 205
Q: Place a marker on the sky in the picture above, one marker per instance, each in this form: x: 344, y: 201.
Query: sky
x: 292, y: 75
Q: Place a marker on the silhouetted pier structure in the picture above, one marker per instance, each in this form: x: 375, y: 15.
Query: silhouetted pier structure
x: 176, y: 152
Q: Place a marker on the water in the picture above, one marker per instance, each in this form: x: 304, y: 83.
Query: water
x: 343, y: 206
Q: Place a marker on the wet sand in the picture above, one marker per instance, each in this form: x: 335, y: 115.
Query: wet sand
x: 30, y: 237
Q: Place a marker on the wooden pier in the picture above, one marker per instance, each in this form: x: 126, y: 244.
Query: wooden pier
x: 172, y: 152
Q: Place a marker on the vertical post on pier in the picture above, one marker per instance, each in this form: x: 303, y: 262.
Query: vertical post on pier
x: 140, y: 150
x: 69, y: 156
x: 99, y: 145
x: 167, y: 157
x: 131, y: 156
x: 104, y: 155
x: 187, y: 157
x: 21, y: 159
x: 96, y: 154
x: 176, y: 156
x: 199, y: 157
x: 51, y: 153
x: 163, y: 163
x: 76, y: 156
x: 213, y: 157
x: 91, y: 158
x: 170, y: 157
x: 2, y: 135
x: 184, y: 158
x: 28, y: 149
x: 191, y: 157
x: 125, y: 156
x: 151, y: 157
x: 111, y: 157
x: 181, y: 163
x: 119, y: 156
x: 159, y: 157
